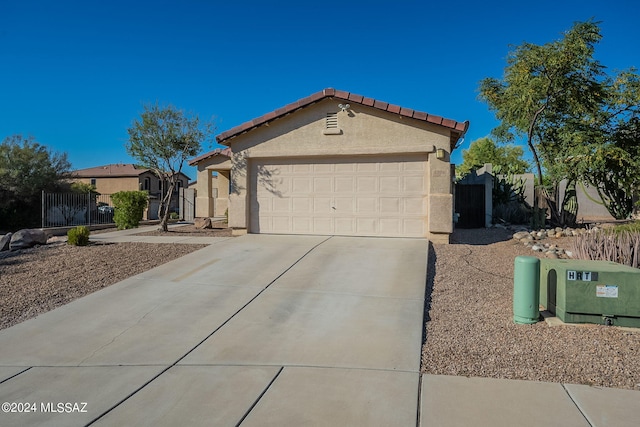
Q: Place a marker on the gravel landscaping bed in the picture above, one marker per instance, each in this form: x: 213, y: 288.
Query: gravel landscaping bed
x: 36, y: 280
x: 470, y: 329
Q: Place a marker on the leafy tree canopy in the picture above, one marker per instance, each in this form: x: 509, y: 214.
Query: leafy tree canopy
x: 508, y: 158
x: 577, y: 120
x: 162, y: 140
x: 26, y: 169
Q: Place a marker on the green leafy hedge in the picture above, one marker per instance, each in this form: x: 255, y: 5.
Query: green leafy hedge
x: 129, y: 208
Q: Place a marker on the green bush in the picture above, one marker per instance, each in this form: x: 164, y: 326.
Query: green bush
x: 129, y: 208
x: 632, y: 227
x: 174, y: 215
x: 78, y: 236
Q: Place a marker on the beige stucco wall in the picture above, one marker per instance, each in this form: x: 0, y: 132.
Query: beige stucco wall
x: 113, y: 184
x: 363, y: 131
x: 207, y: 184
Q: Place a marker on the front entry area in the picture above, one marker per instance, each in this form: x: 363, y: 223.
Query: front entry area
x: 347, y: 195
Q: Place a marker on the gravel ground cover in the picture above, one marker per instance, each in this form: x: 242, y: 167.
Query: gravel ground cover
x: 36, y: 280
x: 469, y: 327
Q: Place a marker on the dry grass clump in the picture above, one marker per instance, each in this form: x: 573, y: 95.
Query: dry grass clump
x: 619, y: 244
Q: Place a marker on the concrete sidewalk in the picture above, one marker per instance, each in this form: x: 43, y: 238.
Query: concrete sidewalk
x: 268, y: 330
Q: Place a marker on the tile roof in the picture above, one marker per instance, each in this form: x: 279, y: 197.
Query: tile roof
x: 458, y: 128
x: 117, y: 170
x: 226, y: 152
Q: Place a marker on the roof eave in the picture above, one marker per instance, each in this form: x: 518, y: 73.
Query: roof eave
x: 225, y: 137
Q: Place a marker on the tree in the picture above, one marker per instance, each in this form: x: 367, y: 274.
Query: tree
x: 611, y: 160
x: 162, y: 139
x: 508, y: 159
x: 545, y: 96
x: 26, y: 169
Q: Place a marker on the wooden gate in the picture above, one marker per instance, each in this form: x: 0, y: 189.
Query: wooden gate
x: 469, y: 203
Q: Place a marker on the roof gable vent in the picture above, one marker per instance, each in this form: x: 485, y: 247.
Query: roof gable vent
x: 331, y: 125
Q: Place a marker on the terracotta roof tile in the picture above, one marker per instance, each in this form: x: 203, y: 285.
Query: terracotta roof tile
x: 420, y: 115
x: 459, y: 128
x: 355, y: 98
x: 434, y: 119
x: 379, y: 104
x: 393, y: 108
x: 406, y: 112
x: 368, y: 102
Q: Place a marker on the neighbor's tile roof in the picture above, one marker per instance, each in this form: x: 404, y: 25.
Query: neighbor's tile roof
x: 226, y: 152
x: 117, y: 170
x: 458, y: 128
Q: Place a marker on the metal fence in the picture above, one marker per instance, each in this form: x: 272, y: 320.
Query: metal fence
x: 71, y: 209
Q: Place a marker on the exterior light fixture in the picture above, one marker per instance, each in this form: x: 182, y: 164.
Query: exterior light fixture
x: 344, y: 107
x: 440, y: 153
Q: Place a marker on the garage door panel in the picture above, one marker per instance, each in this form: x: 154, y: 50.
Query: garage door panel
x: 344, y: 205
x: 394, y: 167
x: 344, y: 185
x: 280, y: 224
x: 301, y: 185
x: 301, y: 225
x: 363, y: 196
x: 322, y: 205
x: 323, y: 184
x: 302, y: 169
x: 281, y: 205
x: 412, y: 184
x: 390, y: 205
x: 345, y: 168
x: 323, y: 168
x: 323, y: 225
x: 345, y: 226
x: 390, y: 184
x: 367, y: 226
x: 366, y: 184
x: 366, y: 205
x: 366, y: 167
x: 302, y: 205
x: 391, y: 226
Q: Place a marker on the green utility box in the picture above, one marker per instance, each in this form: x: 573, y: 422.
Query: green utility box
x: 601, y: 292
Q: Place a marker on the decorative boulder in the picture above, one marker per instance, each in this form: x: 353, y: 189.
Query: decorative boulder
x: 27, y: 238
x: 4, y: 242
x: 203, y: 223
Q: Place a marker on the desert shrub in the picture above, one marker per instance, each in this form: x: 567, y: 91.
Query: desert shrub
x: 129, y: 208
x: 617, y: 245
x: 78, y: 236
x: 509, y: 205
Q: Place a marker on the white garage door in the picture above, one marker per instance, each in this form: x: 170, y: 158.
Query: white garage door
x: 353, y: 196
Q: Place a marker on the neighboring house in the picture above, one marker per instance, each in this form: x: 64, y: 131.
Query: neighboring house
x: 335, y: 163
x: 110, y: 179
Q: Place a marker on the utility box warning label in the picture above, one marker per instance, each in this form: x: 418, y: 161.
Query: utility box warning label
x: 585, y: 276
x: 606, y: 291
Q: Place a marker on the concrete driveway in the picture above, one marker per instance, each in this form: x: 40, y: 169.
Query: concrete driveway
x: 253, y: 331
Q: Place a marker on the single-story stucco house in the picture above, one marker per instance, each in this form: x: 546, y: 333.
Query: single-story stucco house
x: 334, y: 163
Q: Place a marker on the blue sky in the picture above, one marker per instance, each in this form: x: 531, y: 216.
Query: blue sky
x: 75, y: 74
